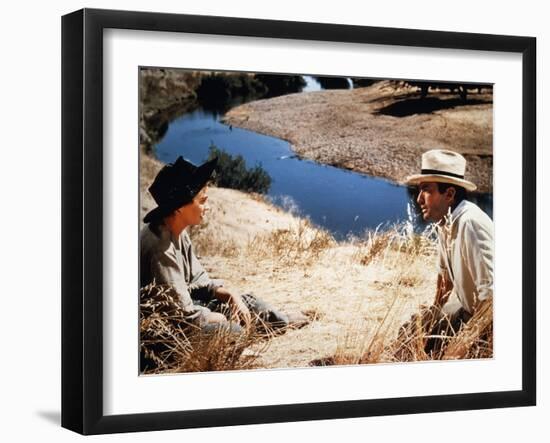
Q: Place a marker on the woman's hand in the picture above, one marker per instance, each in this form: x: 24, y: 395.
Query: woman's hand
x: 239, y: 309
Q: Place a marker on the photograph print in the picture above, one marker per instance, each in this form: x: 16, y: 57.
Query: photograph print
x: 300, y: 221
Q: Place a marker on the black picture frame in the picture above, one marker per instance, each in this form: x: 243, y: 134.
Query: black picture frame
x: 82, y: 218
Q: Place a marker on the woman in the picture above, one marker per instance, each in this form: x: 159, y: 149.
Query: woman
x: 167, y: 257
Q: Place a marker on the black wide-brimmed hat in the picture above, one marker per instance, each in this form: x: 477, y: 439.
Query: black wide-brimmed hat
x: 176, y: 185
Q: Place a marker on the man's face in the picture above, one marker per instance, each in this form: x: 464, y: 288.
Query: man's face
x: 192, y: 213
x: 434, y: 205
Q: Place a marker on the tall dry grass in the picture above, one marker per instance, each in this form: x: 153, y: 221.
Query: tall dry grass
x: 209, y: 240
x: 296, y: 242
x: 358, y: 293
x: 169, y: 343
x: 299, y: 244
x: 402, y: 249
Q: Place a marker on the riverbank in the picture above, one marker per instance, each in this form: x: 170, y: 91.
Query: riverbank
x: 380, y: 130
x: 164, y: 94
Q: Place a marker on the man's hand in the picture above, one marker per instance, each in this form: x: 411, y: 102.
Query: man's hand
x: 238, y: 307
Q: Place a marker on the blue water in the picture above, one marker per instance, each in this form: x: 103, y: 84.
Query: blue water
x: 341, y: 201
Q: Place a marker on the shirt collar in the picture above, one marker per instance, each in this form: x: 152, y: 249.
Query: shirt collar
x: 460, y: 209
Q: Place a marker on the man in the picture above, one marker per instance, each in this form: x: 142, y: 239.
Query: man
x: 167, y: 256
x: 465, y: 233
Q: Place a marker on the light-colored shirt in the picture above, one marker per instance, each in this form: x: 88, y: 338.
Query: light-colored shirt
x: 466, y: 252
x: 172, y: 261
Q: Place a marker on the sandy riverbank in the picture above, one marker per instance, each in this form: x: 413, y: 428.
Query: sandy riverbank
x: 379, y: 130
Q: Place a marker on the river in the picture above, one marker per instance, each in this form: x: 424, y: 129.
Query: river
x: 341, y: 201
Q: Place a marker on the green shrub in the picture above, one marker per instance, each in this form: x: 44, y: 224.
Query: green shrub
x: 232, y: 172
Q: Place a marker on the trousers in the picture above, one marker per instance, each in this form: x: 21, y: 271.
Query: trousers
x: 265, y: 316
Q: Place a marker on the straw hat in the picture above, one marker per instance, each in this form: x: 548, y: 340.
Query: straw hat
x: 442, y: 166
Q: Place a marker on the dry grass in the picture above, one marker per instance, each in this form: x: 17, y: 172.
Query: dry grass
x: 169, y: 344
x: 299, y: 244
x: 397, y: 238
x: 207, y: 240
x: 472, y: 340
x: 391, y: 339
x: 357, y: 293
x: 432, y: 337
x: 475, y: 339
x: 345, y: 295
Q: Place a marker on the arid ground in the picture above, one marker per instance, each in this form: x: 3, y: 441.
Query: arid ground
x: 380, y: 130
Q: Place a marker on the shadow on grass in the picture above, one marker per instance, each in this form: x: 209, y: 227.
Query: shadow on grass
x: 427, y: 105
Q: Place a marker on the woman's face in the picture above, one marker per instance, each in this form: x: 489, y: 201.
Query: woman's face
x: 192, y: 213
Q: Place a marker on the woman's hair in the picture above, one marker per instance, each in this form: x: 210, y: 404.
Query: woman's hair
x: 154, y: 225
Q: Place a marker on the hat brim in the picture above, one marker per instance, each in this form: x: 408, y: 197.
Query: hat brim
x: 200, y: 178
x: 414, y: 180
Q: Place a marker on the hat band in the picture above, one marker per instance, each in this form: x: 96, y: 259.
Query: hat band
x: 437, y: 172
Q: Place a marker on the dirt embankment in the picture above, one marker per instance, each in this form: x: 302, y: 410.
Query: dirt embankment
x: 164, y: 94
x: 380, y: 130
x: 168, y: 93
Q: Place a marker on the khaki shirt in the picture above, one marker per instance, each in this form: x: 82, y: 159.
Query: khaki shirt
x: 168, y: 260
x: 466, y: 254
